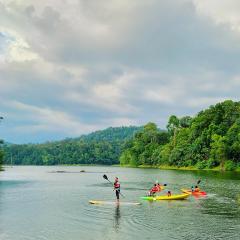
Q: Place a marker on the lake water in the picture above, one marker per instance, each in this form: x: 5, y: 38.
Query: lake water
x: 37, y: 204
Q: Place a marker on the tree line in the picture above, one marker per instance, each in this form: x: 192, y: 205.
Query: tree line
x: 208, y: 140
x: 100, y: 147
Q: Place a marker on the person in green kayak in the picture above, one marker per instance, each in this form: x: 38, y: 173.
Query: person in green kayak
x: 153, y: 190
x: 116, y: 186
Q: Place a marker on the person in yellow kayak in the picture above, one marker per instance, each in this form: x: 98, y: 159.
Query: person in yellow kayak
x: 116, y: 186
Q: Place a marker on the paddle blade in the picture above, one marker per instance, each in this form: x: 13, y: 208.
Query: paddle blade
x: 199, y: 181
x: 164, y: 184
x: 105, y: 177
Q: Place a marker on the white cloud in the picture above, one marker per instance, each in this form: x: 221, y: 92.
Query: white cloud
x: 221, y: 12
x: 62, y: 24
x: 204, y: 102
x: 109, y: 95
x: 116, y: 122
x: 92, y: 64
x: 49, y: 120
x: 19, y: 51
x: 161, y: 96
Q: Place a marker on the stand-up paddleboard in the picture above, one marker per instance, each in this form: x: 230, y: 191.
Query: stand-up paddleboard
x: 172, y: 197
x: 98, y: 202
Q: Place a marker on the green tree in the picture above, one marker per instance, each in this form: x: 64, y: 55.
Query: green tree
x: 141, y: 150
x: 185, y: 122
x: 172, y: 126
x: 211, y: 138
x: 233, y: 142
x: 218, y: 149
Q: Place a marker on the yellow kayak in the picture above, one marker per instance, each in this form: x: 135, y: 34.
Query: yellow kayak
x: 165, y: 197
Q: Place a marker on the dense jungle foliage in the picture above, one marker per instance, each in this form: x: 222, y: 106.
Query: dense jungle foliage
x: 208, y: 140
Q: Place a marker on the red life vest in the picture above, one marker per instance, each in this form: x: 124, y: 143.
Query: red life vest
x: 116, y: 185
x: 154, y: 189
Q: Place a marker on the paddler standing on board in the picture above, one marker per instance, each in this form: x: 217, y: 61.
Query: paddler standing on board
x: 116, y: 186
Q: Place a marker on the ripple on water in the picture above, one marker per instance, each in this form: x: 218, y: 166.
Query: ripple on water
x: 55, y: 206
x: 123, y: 218
x: 220, y: 206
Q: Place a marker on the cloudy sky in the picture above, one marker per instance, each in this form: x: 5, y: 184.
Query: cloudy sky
x: 69, y: 67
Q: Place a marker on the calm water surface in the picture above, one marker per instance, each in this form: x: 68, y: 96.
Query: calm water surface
x: 37, y: 204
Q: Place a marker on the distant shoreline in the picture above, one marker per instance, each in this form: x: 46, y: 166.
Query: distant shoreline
x: 167, y: 167
x: 161, y: 167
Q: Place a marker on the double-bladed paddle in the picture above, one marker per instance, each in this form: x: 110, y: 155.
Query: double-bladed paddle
x: 163, y: 184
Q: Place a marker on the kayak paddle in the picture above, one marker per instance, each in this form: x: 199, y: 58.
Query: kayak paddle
x: 106, y: 178
x: 163, y: 184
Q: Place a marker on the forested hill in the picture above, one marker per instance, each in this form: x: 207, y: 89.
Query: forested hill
x: 208, y: 140
x: 100, y: 147
x: 111, y: 134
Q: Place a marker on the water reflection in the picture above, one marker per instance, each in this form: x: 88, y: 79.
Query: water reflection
x: 212, y: 174
x: 117, y: 216
x: 62, y: 200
